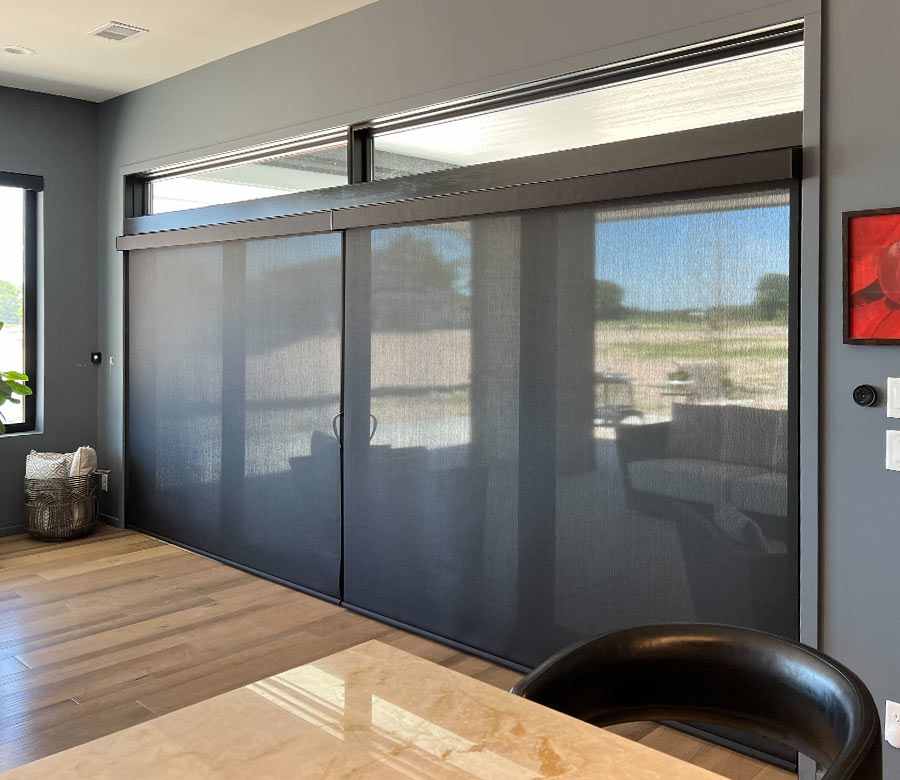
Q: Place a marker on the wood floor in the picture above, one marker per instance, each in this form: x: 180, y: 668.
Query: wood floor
x: 108, y: 631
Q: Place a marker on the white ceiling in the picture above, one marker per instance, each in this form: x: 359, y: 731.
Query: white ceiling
x: 184, y: 34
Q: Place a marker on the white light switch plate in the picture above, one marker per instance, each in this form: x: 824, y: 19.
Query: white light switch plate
x: 892, y: 723
x: 892, y: 451
x: 893, y: 396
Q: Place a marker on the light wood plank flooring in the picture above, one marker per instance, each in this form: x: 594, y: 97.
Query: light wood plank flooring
x: 117, y: 628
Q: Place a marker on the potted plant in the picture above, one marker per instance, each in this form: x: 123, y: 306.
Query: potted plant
x: 12, y: 383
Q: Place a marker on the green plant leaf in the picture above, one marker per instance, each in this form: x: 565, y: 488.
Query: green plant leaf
x: 18, y: 388
x: 11, y: 383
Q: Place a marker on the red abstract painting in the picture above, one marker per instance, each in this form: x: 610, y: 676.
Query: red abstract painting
x: 872, y: 269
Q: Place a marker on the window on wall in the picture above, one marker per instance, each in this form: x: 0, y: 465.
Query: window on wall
x: 737, y: 88
x: 260, y: 173
x: 18, y: 298
x: 744, y: 77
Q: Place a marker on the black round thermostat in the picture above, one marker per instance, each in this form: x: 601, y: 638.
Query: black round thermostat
x: 865, y: 395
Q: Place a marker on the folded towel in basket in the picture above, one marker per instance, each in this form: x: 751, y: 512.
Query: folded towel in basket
x: 84, y: 462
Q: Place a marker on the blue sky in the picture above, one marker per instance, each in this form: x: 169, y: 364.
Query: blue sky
x: 670, y: 262
x: 692, y: 261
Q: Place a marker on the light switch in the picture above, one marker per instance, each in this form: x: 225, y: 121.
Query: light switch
x: 893, y: 396
x: 892, y: 451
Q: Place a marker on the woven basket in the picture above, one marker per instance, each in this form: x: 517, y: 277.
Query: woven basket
x: 58, y: 509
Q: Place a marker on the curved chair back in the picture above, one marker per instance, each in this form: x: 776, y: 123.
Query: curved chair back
x: 723, y: 675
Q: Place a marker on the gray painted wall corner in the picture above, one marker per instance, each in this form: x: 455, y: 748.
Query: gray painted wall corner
x: 56, y: 138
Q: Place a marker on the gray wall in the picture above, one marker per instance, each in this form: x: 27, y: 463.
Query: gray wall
x: 56, y: 138
x: 860, y: 500
x: 399, y: 54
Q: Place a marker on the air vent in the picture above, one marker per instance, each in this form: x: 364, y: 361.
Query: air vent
x: 116, y: 31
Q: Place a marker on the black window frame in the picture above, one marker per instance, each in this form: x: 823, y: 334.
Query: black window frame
x: 32, y: 186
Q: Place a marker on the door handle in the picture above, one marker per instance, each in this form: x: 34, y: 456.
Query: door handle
x: 338, y: 433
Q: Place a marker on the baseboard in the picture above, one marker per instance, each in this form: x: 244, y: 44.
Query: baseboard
x: 110, y: 520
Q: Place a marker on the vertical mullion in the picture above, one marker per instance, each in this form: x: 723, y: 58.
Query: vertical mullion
x: 360, y: 154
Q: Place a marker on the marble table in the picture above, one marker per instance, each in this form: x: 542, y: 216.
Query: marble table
x: 368, y: 712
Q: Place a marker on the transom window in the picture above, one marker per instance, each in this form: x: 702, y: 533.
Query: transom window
x: 749, y: 76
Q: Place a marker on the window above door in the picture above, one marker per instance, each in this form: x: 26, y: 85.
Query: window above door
x: 754, y: 75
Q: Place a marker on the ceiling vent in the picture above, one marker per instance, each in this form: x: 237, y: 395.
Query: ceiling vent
x: 116, y: 32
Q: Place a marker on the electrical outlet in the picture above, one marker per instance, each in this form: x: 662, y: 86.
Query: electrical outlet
x: 892, y: 723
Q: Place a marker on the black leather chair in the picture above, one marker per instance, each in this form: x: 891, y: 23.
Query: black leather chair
x: 722, y: 675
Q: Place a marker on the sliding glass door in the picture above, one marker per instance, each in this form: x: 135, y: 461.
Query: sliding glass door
x: 234, y: 379
x: 510, y: 417
x: 569, y: 420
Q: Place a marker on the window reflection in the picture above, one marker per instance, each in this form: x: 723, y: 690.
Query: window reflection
x: 421, y: 333
x: 582, y: 423
x: 690, y: 362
